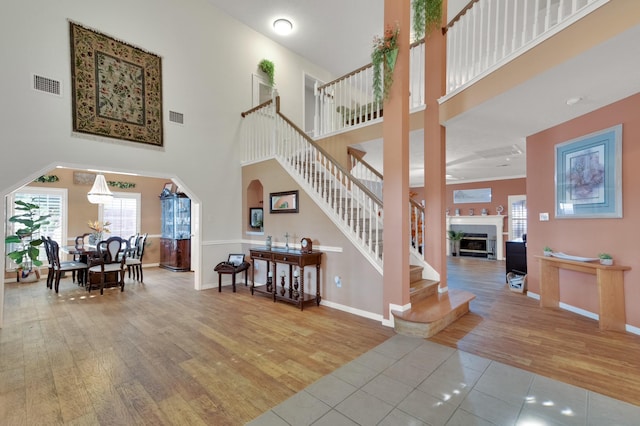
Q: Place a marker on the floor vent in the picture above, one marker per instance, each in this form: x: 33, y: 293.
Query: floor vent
x: 176, y: 117
x: 47, y: 85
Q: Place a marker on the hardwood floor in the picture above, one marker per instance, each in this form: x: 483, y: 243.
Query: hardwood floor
x: 509, y: 327
x: 162, y: 353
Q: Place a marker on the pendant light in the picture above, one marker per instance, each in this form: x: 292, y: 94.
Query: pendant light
x: 99, y: 193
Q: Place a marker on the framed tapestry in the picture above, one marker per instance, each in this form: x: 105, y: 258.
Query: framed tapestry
x: 589, y: 176
x: 116, y: 88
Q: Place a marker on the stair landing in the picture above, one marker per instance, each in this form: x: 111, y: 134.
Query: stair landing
x: 429, y: 316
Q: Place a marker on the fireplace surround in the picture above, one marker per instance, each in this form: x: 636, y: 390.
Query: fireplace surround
x: 492, y: 225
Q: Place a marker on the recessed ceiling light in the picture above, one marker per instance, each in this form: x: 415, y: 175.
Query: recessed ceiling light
x: 573, y: 101
x: 282, y: 26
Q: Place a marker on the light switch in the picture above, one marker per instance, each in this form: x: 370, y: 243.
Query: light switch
x: 544, y: 217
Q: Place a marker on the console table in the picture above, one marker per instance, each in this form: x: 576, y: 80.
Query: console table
x: 276, y: 289
x: 609, y: 280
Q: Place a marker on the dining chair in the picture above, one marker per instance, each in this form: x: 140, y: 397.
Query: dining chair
x: 134, y: 261
x: 59, y: 267
x: 80, y: 241
x: 109, y: 265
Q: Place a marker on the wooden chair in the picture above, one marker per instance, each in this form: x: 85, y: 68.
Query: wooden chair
x: 109, y: 265
x: 134, y: 261
x: 81, y: 241
x: 59, y: 267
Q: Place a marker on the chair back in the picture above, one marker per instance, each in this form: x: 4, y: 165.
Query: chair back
x: 47, y: 249
x: 113, y: 250
x: 138, y: 251
x: 82, y: 240
x: 54, y: 253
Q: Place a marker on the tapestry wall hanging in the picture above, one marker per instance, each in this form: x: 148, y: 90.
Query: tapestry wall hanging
x: 116, y: 88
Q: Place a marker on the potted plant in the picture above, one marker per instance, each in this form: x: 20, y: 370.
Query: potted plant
x: 605, y: 259
x: 383, y: 57
x: 547, y: 251
x: 26, y: 239
x: 455, y: 237
x: 267, y: 67
x: 427, y: 14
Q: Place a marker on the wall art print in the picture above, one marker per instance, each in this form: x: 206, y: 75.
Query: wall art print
x: 589, y: 176
x: 116, y: 88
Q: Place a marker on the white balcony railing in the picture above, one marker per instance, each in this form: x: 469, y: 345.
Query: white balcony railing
x: 489, y: 33
x: 349, y: 102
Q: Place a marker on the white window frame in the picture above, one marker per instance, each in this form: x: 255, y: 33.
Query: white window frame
x: 131, y: 195
x: 512, y: 199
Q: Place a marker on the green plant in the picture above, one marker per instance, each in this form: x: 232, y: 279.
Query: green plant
x: 427, y: 15
x: 605, y: 256
x: 267, y: 67
x: 547, y: 248
x: 455, y: 235
x: 28, y: 250
x: 383, y: 57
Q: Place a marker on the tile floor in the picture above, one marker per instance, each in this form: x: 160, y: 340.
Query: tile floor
x: 411, y: 381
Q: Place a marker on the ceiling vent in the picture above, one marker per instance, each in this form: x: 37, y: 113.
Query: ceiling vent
x: 47, y: 85
x: 176, y: 117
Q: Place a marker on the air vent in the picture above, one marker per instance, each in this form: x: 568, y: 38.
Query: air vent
x: 176, y: 117
x: 47, y: 85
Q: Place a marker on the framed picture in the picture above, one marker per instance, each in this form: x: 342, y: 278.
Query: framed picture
x: 283, y: 202
x: 82, y: 178
x: 116, y: 88
x: 255, y: 217
x: 481, y: 195
x: 589, y: 176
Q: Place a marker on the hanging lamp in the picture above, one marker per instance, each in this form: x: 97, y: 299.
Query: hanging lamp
x: 99, y: 193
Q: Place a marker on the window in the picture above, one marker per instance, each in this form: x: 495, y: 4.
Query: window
x: 517, y: 216
x: 124, y: 214
x: 52, y: 201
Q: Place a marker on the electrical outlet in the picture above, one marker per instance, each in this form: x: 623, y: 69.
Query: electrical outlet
x: 544, y: 217
x: 338, y: 281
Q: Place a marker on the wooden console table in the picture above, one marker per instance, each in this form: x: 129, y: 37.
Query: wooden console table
x: 289, y: 294
x: 609, y: 279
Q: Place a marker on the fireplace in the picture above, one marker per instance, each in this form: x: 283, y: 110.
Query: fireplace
x: 473, y: 244
x: 490, y: 225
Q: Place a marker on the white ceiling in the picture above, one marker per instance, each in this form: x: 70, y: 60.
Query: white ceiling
x: 482, y: 144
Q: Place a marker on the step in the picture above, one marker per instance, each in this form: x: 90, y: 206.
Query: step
x: 422, y: 289
x: 433, y: 314
x: 415, y: 273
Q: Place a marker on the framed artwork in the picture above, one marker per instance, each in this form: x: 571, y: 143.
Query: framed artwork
x: 283, y: 202
x: 481, y: 195
x: 255, y: 217
x: 116, y: 88
x: 589, y: 176
x: 83, y: 178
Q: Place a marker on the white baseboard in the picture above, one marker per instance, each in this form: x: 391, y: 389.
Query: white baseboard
x: 354, y: 311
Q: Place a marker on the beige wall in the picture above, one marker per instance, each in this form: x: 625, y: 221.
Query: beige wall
x: 586, y: 237
x: 80, y: 211
x: 361, y: 284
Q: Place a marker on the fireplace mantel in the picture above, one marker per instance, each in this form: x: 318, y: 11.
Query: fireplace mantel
x: 492, y: 220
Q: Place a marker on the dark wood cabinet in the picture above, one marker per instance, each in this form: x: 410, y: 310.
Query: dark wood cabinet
x: 291, y: 290
x: 175, y: 240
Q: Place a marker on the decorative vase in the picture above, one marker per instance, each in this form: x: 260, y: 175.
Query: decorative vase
x: 606, y: 262
x: 268, y: 242
x: 547, y: 253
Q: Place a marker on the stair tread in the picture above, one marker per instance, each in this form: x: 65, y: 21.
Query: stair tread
x: 435, y: 307
x: 421, y: 283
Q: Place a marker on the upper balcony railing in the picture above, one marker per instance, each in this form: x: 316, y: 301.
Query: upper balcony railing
x: 348, y: 101
x: 488, y: 33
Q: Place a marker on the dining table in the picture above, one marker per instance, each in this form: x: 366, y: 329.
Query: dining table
x: 83, y: 252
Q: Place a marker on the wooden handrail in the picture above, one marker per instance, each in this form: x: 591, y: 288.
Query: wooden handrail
x: 254, y: 109
x: 459, y: 15
x: 364, y: 67
x: 364, y: 163
x: 416, y: 204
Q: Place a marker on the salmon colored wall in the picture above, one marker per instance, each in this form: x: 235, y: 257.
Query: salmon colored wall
x: 586, y: 237
x: 500, y: 190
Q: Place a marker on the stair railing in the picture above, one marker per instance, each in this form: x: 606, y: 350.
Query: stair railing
x: 348, y: 101
x: 417, y: 228
x: 357, y: 211
x: 487, y: 34
x: 363, y: 171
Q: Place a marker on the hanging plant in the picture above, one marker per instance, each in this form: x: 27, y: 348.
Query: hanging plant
x: 383, y: 57
x: 427, y: 15
x: 267, y: 67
